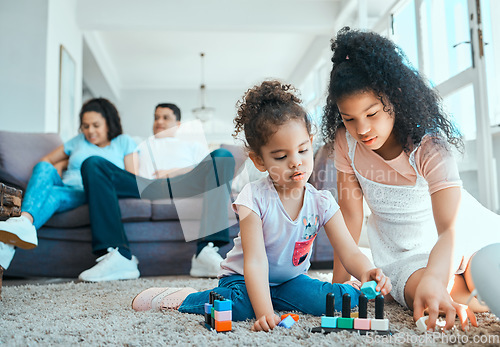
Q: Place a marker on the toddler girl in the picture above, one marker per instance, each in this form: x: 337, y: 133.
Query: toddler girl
x: 280, y: 216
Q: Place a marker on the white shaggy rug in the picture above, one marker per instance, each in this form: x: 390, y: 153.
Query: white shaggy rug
x: 100, y: 314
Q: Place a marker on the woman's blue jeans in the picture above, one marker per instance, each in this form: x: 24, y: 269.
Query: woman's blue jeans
x: 302, y: 294
x: 46, y: 194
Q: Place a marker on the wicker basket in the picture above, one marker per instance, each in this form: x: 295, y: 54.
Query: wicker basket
x: 10, y: 201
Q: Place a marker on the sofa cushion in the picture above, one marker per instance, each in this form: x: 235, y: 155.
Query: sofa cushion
x: 133, y: 210
x: 163, y: 210
x: 19, y: 152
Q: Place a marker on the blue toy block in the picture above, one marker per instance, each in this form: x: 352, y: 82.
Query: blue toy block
x: 328, y: 322
x: 368, y: 288
x: 287, y: 322
x: 208, y: 308
x: 223, y: 305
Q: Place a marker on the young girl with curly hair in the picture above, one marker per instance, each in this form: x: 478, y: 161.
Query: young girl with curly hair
x: 280, y: 216
x: 392, y: 143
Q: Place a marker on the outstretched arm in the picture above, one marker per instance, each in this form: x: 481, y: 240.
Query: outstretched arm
x: 256, y: 269
x: 431, y: 291
x: 350, y: 198
x: 354, y: 261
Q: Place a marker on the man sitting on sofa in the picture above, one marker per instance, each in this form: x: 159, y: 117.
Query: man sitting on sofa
x: 167, y: 168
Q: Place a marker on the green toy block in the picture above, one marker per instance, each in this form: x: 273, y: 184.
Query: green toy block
x: 345, y: 323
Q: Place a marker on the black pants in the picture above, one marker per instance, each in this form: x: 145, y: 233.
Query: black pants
x: 105, y: 183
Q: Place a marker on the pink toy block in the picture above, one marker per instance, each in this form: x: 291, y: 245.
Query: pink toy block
x: 362, y: 323
x: 223, y: 315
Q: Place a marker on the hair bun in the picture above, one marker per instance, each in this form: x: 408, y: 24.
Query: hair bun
x: 271, y: 92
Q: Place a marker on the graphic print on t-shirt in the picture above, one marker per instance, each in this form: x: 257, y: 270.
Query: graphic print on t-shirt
x: 302, y: 248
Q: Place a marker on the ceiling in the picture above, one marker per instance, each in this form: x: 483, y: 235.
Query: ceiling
x: 156, y: 44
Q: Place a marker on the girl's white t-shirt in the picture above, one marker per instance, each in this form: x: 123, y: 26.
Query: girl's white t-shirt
x: 288, y: 242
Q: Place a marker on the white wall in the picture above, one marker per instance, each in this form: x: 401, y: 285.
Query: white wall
x: 23, y: 38
x: 136, y: 108
x: 62, y: 30
x: 31, y: 33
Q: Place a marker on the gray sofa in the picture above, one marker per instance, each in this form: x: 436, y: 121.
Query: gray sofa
x: 153, y: 228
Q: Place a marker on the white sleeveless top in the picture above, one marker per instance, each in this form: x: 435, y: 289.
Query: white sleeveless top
x: 402, y: 230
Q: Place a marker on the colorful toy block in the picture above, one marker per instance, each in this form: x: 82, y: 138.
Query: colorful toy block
x: 222, y: 305
x: 345, y: 323
x: 293, y: 315
x: 379, y: 323
x: 223, y: 326
x: 368, y: 288
x: 362, y: 325
x: 422, y: 324
x: 288, y: 322
x: 362, y: 322
x: 328, y: 322
x: 218, y: 313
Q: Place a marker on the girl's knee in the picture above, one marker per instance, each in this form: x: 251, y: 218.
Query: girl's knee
x: 221, y: 152
x: 43, y: 166
x: 93, y: 163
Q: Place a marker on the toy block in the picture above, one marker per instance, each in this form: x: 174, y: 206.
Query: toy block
x: 223, y: 305
x: 422, y: 324
x: 345, y: 323
x: 212, y: 318
x: 223, y: 315
x: 346, y: 306
x: 293, y: 315
x: 379, y: 307
x: 330, y: 305
x: 288, y: 322
x: 223, y: 325
x: 208, y: 313
x: 208, y: 308
x: 363, y: 306
x: 328, y: 322
x: 379, y: 324
x: 362, y: 323
x: 368, y: 288
x: 354, y: 314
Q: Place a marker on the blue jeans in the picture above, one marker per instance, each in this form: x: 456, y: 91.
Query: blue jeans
x: 301, y: 294
x: 46, y: 194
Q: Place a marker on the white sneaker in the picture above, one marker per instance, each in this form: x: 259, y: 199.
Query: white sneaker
x: 207, y: 263
x: 19, y: 232
x: 6, y: 254
x: 111, y: 267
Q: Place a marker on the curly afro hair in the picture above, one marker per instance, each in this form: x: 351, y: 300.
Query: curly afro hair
x: 265, y: 107
x: 365, y: 61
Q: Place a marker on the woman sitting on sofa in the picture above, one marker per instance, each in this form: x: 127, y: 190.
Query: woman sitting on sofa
x: 51, y: 190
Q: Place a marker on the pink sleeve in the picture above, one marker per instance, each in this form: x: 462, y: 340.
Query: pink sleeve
x: 435, y: 162
x: 341, y: 150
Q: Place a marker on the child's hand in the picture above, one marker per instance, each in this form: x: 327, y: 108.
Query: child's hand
x: 433, y: 295
x: 266, y: 323
x: 384, y: 285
